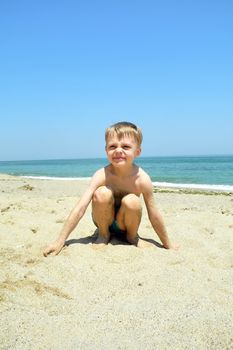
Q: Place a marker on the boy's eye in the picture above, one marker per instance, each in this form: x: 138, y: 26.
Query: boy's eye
x: 126, y: 147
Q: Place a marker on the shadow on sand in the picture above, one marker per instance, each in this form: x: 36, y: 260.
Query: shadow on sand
x: 114, y: 240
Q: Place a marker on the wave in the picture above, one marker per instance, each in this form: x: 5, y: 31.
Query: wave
x: 55, y: 178
x: 206, y: 187
x: 220, y: 188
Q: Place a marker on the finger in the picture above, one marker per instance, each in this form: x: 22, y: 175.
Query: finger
x: 46, y: 254
x: 47, y: 251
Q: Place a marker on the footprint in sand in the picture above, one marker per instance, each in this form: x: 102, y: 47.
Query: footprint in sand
x: 3, y: 210
x: 27, y: 187
x: 38, y: 287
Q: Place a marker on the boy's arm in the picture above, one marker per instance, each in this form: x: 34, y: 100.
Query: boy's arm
x: 154, y: 216
x: 75, y: 215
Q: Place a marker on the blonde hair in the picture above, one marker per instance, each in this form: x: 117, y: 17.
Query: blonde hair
x: 122, y: 129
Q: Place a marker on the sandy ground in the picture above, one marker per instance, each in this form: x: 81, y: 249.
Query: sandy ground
x: 122, y: 297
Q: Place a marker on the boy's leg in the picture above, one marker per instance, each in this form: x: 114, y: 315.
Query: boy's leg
x: 103, y: 213
x: 129, y: 218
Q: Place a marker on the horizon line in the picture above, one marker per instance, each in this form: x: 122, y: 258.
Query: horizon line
x: 102, y: 158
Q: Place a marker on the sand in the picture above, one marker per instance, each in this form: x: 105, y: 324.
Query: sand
x: 122, y: 297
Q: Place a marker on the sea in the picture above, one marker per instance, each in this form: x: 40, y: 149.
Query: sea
x: 187, y: 172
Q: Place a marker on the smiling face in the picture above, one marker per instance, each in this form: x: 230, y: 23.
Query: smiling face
x: 122, y: 151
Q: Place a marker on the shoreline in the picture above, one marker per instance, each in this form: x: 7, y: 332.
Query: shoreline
x: 158, y: 186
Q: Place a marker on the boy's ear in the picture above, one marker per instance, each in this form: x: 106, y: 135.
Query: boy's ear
x: 138, y: 152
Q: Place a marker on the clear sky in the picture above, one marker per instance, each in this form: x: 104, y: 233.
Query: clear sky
x: 69, y: 69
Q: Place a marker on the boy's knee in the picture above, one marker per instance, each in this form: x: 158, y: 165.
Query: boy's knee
x: 131, y: 201
x: 102, y: 195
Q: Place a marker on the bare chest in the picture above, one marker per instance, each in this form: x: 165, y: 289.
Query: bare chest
x: 121, y: 188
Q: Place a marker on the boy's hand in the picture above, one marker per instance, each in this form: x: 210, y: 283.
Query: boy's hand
x: 54, y: 249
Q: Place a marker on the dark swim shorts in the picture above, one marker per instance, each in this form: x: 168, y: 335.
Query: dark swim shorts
x: 117, y: 232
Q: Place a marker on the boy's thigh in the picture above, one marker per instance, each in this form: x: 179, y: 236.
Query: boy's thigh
x: 134, y: 210
x: 119, y: 215
x: 103, y: 196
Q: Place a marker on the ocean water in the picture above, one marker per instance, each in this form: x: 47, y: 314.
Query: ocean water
x: 204, y: 172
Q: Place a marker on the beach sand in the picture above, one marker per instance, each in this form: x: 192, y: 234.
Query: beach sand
x: 121, y: 297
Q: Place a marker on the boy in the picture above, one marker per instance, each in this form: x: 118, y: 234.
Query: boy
x: 114, y: 191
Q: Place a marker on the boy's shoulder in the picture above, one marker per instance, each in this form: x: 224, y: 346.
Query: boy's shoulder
x: 98, y: 178
x: 144, y: 182
x: 100, y: 173
x: 143, y: 174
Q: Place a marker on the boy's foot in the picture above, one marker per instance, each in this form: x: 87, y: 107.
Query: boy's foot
x: 140, y: 243
x: 100, y: 243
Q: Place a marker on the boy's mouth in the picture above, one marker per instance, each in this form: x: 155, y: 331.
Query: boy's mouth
x: 118, y: 158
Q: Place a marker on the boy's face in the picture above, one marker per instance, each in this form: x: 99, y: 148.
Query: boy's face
x: 122, y: 151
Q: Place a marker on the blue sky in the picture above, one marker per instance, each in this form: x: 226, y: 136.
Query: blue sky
x: 69, y: 69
